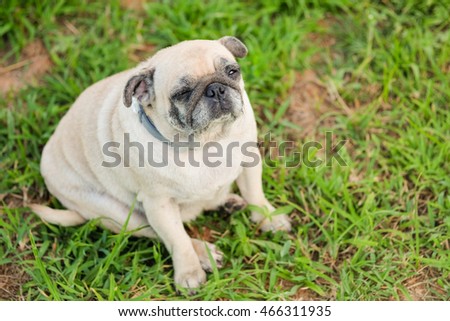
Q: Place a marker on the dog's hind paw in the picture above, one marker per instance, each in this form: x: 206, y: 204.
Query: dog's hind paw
x: 202, y: 248
x: 234, y: 203
x: 276, y: 223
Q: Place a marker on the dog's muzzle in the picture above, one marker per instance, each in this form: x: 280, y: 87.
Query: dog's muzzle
x: 213, y: 87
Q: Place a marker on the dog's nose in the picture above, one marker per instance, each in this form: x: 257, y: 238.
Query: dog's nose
x: 215, y: 90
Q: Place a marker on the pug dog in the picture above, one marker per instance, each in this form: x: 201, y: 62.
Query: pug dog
x: 190, y: 94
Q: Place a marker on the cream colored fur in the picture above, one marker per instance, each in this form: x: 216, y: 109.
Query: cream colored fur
x: 166, y: 197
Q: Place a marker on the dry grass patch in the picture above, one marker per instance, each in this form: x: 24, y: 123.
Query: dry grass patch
x: 12, y: 277
x: 33, y: 64
x: 310, y: 101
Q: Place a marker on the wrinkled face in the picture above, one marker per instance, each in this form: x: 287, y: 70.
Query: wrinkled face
x: 194, y: 84
x: 199, y: 100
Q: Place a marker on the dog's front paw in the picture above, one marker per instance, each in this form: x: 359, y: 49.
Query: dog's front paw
x: 202, y: 249
x: 190, y: 278
x: 276, y: 223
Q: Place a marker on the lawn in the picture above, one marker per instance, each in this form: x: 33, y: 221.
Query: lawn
x: 373, y: 226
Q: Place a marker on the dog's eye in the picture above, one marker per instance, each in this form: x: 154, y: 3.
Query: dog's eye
x: 233, y: 72
x: 184, y: 93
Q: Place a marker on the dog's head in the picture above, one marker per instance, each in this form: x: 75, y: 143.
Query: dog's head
x: 195, y: 83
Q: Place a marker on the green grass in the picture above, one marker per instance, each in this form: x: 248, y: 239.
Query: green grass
x: 376, y: 229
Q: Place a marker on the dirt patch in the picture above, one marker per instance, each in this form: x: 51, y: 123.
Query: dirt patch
x: 141, y: 52
x: 33, y: 63
x: 302, y: 294
x: 203, y: 233
x: 368, y: 93
x: 16, y: 200
x: 422, y: 286
x: 12, y: 274
x: 305, y: 294
x: 310, y: 99
x: 11, y: 201
x: 323, y: 40
x: 12, y: 277
x: 137, y: 5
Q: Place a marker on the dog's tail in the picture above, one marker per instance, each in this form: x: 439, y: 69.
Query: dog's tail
x: 59, y: 217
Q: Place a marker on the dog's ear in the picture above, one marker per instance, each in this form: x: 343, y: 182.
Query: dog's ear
x: 140, y: 87
x: 235, y: 46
